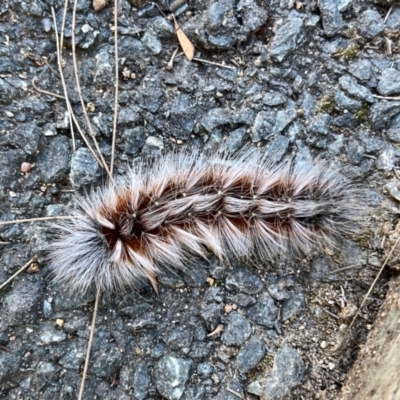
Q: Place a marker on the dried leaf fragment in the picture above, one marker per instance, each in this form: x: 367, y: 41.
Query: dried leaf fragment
x: 184, y: 41
x: 99, y: 4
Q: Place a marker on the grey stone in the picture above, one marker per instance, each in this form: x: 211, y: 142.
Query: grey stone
x: 351, y: 254
x: 194, y: 393
x: 204, y: 369
x: 153, y: 145
x: 283, y: 118
x: 104, y: 67
x: 393, y: 134
x: 393, y: 189
x: 331, y: 18
x: 211, y: 315
x: 320, y: 124
x: 361, y: 69
x: 295, y: 305
x: 250, y: 354
x: 134, y: 139
x: 370, y: 24
x: 237, y: 329
x: 19, y: 302
x: 287, y: 373
x: 179, y: 338
x: 389, y: 82
x: 162, y: 27
x: 225, y: 394
x: 235, y: 139
x: 106, y: 361
x: 26, y: 136
x: 386, y: 160
x: 274, y: 99
x: 355, y: 152
x: 278, y: 289
x: 182, y: 118
x: 49, y: 334
x: 217, y: 12
x: 220, y: 42
x: 196, y: 276
x: 308, y: 104
x: 130, y: 48
x: 393, y: 22
x: 216, y: 117
x: 372, y: 143
x: 85, y: 169
x: 345, y: 121
x: 46, y: 309
x: 73, y: 358
x: 382, y: 112
x: 53, y: 161
x: 7, y: 92
x: 172, y: 375
x: 346, y: 102
x: 350, y: 85
x: 141, y: 381
x: 263, y: 125
x: 286, y: 38
x: 243, y: 280
x: 253, y: 16
x: 152, y: 43
x: 278, y: 147
x: 264, y: 312
x: 242, y: 300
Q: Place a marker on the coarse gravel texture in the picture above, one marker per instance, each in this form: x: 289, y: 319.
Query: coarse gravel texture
x: 302, y: 78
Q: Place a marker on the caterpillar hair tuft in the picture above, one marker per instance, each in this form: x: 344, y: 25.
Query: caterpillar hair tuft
x: 183, y: 205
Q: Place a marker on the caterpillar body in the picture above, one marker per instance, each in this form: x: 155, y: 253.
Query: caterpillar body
x: 183, y: 205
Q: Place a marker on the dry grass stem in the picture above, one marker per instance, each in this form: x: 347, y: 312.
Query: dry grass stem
x: 58, y: 96
x: 373, y: 284
x: 20, y: 221
x: 63, y: 82
x: 17, y: 273
x: 214, y: 63
x: 114, y: 133
x: 63, y: 27
x: 86, y: 366
x: 78, y: 86
x: 388, y: 14
x: 386, y: 97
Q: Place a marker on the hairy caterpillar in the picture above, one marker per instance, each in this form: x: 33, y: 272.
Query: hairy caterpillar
x: 182, y: 205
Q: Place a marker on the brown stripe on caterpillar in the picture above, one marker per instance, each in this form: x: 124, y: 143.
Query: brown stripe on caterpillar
x: 186, y: 204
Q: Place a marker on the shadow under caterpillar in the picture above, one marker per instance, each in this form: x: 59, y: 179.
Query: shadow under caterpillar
x: 186, y: 204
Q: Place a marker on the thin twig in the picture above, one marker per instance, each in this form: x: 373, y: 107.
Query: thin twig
x: 45, y: 91
x: 5, y: 242
x: 78, y: 87
x: 18, y: 272
x: 20, y: 221
x: 51, y: 68
x: 329, y: 313
x: 234, y: 393
x: 63, y: 27
x: 89, y: 348
x: 63, y: 82
x: 342, y: 269
x: 373, y: 284
x: 170, y: 64
x: 387, y: 15
x: 114, y: 133
x: 213, y: 63
x: 386, y: 97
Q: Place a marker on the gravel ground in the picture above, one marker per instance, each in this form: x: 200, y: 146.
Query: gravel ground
x: 300, y: 77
